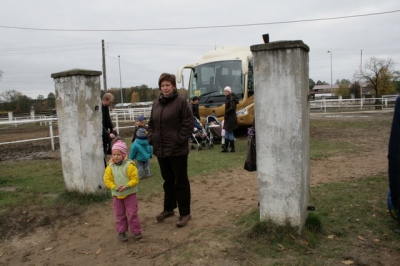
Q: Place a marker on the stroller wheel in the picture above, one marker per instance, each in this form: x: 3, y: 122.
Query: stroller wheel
x: 210, y: 145
x: 203, y: 144
x: 192, y: 147
x: 199, y: 148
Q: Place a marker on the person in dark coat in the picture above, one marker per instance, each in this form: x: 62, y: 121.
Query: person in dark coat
x: 195, y: 107
x: 394, y: 162
x: 251, y: 158
x: 170, y: 127
x: 230, y: 119
x: 108, y: 132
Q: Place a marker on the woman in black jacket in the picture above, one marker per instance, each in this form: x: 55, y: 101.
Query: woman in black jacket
x: 230, y: 119
x: 170, y: 127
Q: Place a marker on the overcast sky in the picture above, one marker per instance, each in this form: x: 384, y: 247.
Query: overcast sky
x: 29, y: 56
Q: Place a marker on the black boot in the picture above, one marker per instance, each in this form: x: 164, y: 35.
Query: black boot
x: 226, y: 145
x: 232, y: 145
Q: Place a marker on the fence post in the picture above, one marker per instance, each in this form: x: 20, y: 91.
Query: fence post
x: 10, y: 116
x: 32, y: 113
x: 116, y: 122
x: 51, y: 135
x: 361, y: 103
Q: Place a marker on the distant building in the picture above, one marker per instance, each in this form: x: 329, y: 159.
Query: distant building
x: 326, y: 91
x: 323, y: 91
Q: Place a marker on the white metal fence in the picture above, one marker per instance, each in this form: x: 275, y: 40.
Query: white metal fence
x: 352, y: 104
x: 126, y: 114
x: 40, y: 119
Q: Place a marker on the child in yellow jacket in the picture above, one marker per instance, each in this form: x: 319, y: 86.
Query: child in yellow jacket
x: 121, y: 177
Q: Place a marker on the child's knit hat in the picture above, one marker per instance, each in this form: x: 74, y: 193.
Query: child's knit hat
x: 227, y: 88
x: 141, y: 133
x: 120, y: 146
x: 140, y: 118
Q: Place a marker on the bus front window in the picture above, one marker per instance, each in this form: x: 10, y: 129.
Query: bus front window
x: 209, y: 80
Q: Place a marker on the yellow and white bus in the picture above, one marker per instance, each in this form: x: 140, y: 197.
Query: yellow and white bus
x: 225, y: 66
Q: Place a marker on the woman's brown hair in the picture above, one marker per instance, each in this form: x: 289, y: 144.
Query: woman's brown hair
x: 167, y: 77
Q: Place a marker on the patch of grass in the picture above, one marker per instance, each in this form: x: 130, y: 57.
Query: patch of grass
x: 350, y: 124
x: 348, y: 214
x: 324, y: 148
x: 339, y: 124
x: 77, y: 198
x: 33, y: 182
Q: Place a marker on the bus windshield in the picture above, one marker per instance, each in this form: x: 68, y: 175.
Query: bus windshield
x: 208, y: 81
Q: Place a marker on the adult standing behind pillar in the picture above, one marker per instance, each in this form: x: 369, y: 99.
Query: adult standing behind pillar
x: 108, y: 128
x: 170, y: 127
x: 230, y: 119
x: 195, y: 107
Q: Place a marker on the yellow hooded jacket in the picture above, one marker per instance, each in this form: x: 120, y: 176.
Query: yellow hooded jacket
x: 124, y: 174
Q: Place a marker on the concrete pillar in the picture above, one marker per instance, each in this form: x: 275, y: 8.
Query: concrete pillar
x: 282, y: 130
x: 10, y: 116
x: 78, y: 106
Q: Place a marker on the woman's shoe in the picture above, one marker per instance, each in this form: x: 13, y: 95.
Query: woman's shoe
x: 164, y: 214
x: 226, y: 145
x: 183, y: 220
x: 232, y: 145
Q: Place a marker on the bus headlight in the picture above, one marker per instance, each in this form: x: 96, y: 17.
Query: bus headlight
x: 242, y: 112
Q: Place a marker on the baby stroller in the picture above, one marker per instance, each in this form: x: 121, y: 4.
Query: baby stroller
x: 213, y: 128
x: 199, y: 137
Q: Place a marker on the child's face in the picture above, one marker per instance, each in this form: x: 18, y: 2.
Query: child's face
x: 137, y: 123
x: 117, y: 156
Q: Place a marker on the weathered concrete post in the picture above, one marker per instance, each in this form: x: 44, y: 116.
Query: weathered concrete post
x: 10, y: 116
x: 78, y: 106
x: 282, y: 130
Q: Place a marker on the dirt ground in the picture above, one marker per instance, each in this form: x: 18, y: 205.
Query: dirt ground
x: 89, y: 237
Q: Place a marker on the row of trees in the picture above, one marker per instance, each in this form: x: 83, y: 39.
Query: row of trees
x: 139, y: 94
x: 17, y: 102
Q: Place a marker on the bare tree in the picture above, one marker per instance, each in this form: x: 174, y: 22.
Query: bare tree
x: 378, y: 74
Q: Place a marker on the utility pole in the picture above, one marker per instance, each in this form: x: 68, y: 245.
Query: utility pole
x: 104, y: 66
x: 361, y: 77
x: 120, y: 81
x: 331, y: 73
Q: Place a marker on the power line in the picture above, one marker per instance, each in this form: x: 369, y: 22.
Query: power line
x: 206, y: 27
